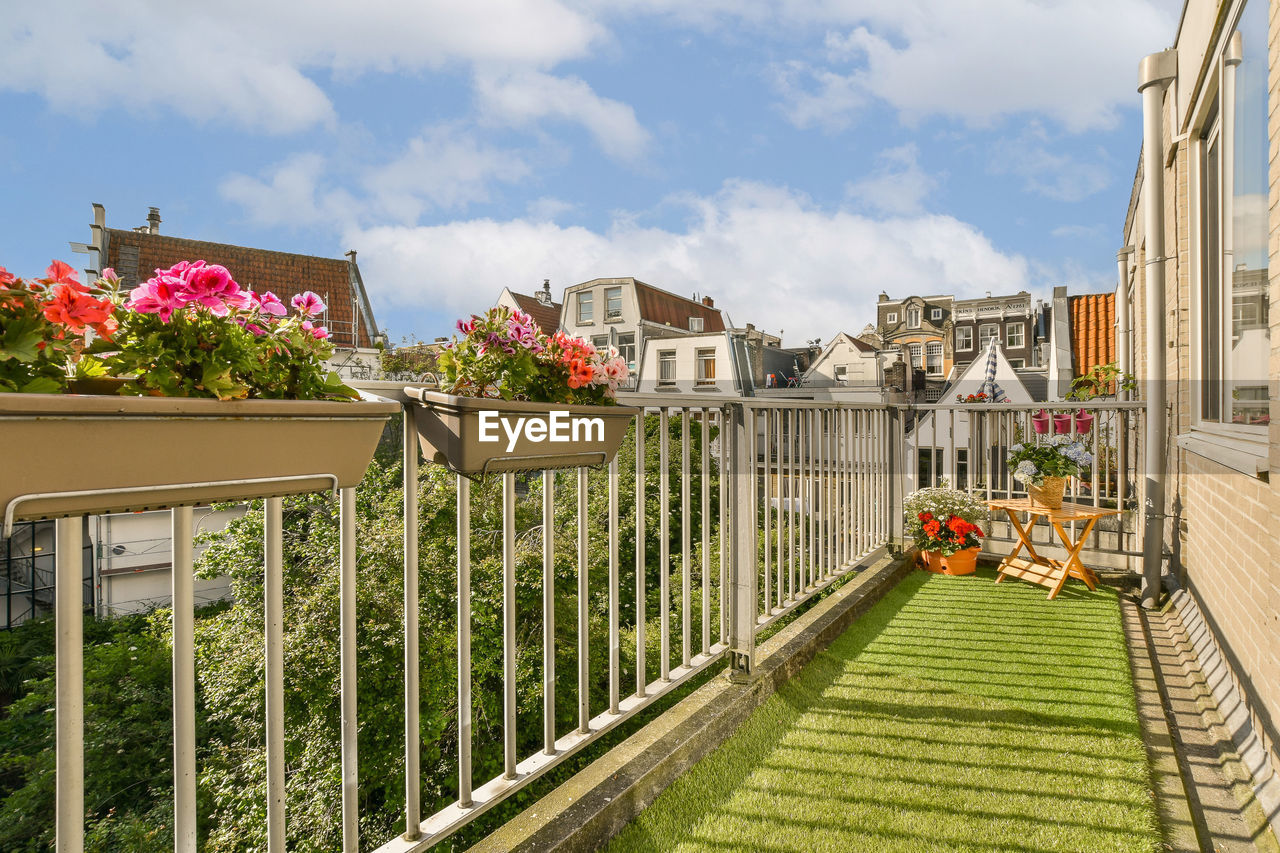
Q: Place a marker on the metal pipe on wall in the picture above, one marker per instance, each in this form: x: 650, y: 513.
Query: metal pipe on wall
x: 1154, y: 75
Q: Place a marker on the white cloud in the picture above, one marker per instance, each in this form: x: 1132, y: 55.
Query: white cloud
x: 444, y: 168
x: 524, y: 96
x: 898, y: 185
x: 1057, y: 176
x: 548, y: 208
x: 1077, y: 232
x: 767, y: 255
x: 977, y: 60
x: 247, y: 62
x: 291, y: 195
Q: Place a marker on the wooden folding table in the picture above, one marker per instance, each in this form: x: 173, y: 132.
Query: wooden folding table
x: 1039, y: 569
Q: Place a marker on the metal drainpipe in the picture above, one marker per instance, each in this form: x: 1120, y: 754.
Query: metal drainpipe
x: 1123, y: 320
x: 1154, y: 74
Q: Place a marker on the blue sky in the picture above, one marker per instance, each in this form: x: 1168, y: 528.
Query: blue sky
x: 790, y: 159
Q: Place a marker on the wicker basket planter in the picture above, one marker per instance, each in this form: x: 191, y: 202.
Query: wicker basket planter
x: 453, y: 433
x: 84, y: 454
x: 1049, y: 494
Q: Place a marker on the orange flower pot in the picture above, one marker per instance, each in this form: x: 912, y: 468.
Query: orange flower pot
x: 960, y: 563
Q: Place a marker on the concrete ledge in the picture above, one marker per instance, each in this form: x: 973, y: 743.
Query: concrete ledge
x: 593, y: 806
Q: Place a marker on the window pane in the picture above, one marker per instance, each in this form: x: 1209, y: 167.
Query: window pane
x: 964, y: 338
x: 666, y: 367
x: 613, y: 302
x: 1013, y: 334
x: 933, y: 358
x: 627, y: 348
x: 1210, y: 292
x: 1250, y: 346
x: 915, y: 351
x: 584, y: 307
x: 706, y: 366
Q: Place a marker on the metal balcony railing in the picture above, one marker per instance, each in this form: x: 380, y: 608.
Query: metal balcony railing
x: 791, y: 496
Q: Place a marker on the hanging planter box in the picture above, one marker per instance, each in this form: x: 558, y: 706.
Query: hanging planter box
x: 475, y: 436
x: 71, y: 454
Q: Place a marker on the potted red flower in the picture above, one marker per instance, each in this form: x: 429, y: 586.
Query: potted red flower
x: 513, y: 398
x: 943, y: 524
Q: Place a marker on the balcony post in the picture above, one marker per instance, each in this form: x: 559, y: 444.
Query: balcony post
x: 895, y: 479
x: 69, y: 684
x: 742, y: 539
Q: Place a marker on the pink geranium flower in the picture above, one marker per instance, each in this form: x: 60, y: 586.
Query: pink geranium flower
x: 268, y: 303
x: 320, y: 333
x: 308, y: 303
x: 156, y: 295
x: 212, y: 286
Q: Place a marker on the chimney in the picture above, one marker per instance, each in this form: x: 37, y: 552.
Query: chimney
x: 153, y: 221
x: 708, y: 301
x: 544, y: 296
x: 884, y: 297
x: 351, y: 256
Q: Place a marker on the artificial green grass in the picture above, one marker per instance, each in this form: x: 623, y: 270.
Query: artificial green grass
x: 957, y: 714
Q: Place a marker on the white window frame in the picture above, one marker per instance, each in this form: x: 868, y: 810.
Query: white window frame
x: 1009, y: 330
x: 967, y: 346
x: 600, y: 342
x: 913, y: 318
x: 891, y: 317
x: 666, y: 358
x: 983, y: 338
x: 696, y: 324
x: 1232, y: 444
x: 626, y: 348
x: 610, y: 295
x: 585, y: 300
x: 703, y: 357
x: 931, y: 350
x: 935, y: 313
x: 915, y: 355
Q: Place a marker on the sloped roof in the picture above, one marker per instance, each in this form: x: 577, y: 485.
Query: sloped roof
x: 546, y: 316
x: 1092, y: 318
x: 660, y: 306
x: 135, y: 256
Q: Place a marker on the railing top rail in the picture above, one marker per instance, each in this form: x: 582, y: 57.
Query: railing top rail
x: 1049, y: 405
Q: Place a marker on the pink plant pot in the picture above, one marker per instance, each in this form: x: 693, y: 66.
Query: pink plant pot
x: 1084, y: 422
x: 1040, y: 422
x: 1062, y: 423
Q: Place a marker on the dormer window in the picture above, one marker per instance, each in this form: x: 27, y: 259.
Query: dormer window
x: 891, y: 317
x: 695, y: 324
x: 913, y: 318
x: 935, y: 314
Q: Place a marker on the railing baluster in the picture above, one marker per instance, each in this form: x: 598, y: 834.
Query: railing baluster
x: 584, y: 651
x: 273, y: 611
x: 642, y: 678
x: 548, y: 613
x: 464, y: 642
x: 780, y: 488
x: 705, y: 530
x: 615, y: 644
x: 509, y: 625
x: 184, y: 682
x: 793, y: 441
x: 69, y: 683
x: 412, y: 699
x: 768, y: 512
x: 664, y: 545
x: 686, y: 555
x: 347, y: 669
x: 724, y: 564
